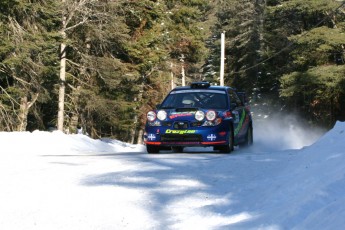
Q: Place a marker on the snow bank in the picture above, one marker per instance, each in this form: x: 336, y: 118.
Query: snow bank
x: 333, y: 140
x: 40, y: 142
x: 313, y: 195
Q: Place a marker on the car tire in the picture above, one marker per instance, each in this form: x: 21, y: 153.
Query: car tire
x: 152, y: 149
x: 230, y: 146
x: 249, y: 137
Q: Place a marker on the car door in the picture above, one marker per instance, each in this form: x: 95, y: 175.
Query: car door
x: 238, y: 112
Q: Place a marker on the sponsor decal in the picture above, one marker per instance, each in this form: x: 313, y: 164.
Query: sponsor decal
x: 240, y: 124
x: 151, y: 137
x: 244, y: 125
x: 211, y: 137
x: 183, y: 114
x: 170, y: 131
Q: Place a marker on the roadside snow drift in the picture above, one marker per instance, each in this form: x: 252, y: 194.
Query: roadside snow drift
x: 58, y: 181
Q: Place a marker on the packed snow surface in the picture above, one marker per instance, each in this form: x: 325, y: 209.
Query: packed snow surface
x: 50, y: 180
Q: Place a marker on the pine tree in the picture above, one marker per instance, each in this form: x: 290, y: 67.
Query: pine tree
x: 313, y: 79
x: 27, y: 60
x: 95, y: 33
x: 167, y: 37
x: 242, y: 24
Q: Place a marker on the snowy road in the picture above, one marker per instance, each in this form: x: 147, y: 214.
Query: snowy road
x: 134, y: 191
x: 130, y: 189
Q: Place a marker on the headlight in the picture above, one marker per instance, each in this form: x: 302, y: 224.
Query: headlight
x: 199, y: 115
x: 151, y: 116
x: 211, y: 115
x: 161, y: 115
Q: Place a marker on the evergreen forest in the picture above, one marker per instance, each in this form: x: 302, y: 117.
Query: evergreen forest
x: 103, y: 64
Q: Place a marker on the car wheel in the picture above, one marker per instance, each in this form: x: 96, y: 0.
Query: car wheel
x: 177, y: 149
x: 249, y: 138
x: 152, y: 149
x: 230, y: 146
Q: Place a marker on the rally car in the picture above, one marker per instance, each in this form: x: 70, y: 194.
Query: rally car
x: 200, y: 115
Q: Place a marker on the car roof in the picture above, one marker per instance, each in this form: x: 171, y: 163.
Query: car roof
x: 211, y: 87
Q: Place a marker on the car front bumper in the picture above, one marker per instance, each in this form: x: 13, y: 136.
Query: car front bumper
x: 203, y: 136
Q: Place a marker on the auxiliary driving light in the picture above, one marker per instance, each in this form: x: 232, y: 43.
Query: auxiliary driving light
x: 199, y: 115
x: 151, y: 116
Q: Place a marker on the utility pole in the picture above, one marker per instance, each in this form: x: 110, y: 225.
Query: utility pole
x: 182, y: 71
x: 222, y: 58
x: 172, y: 76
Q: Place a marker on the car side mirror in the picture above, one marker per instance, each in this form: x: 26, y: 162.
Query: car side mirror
x: 242, y: 97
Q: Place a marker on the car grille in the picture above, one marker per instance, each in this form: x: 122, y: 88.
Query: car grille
x: 181, y: 125
x: 196, y: 124
x: 181, y: 138
x: 165, y: 123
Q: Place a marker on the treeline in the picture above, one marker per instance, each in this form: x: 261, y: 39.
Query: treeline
x: 289, y: 54
x: 102, y: 65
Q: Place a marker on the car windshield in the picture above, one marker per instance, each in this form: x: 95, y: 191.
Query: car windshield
x: 205, y: 99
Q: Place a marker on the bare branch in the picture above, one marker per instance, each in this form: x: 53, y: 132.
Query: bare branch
x: 13, y: 101
x: 7, y: 119
x: 75, y: 7
x: 33, y: 100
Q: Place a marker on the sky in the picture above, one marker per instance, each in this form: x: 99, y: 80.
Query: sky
x: 291, y: 178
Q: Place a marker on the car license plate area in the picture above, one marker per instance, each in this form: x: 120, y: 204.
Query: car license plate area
x: 181, y: 138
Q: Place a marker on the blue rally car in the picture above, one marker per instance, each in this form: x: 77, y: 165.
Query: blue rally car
x: 199, y: 115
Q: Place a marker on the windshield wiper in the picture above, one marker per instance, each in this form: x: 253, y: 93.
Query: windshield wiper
x: 186, y: 109
x: 167, y: 107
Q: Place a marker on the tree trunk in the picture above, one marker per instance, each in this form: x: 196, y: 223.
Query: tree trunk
x: 137, y: 124
x: 140, y: 137
x: 134, y: 129
x: 75, y: 120
x: 23, y: 114
x: 62, y: 87
x: 25, y: 106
